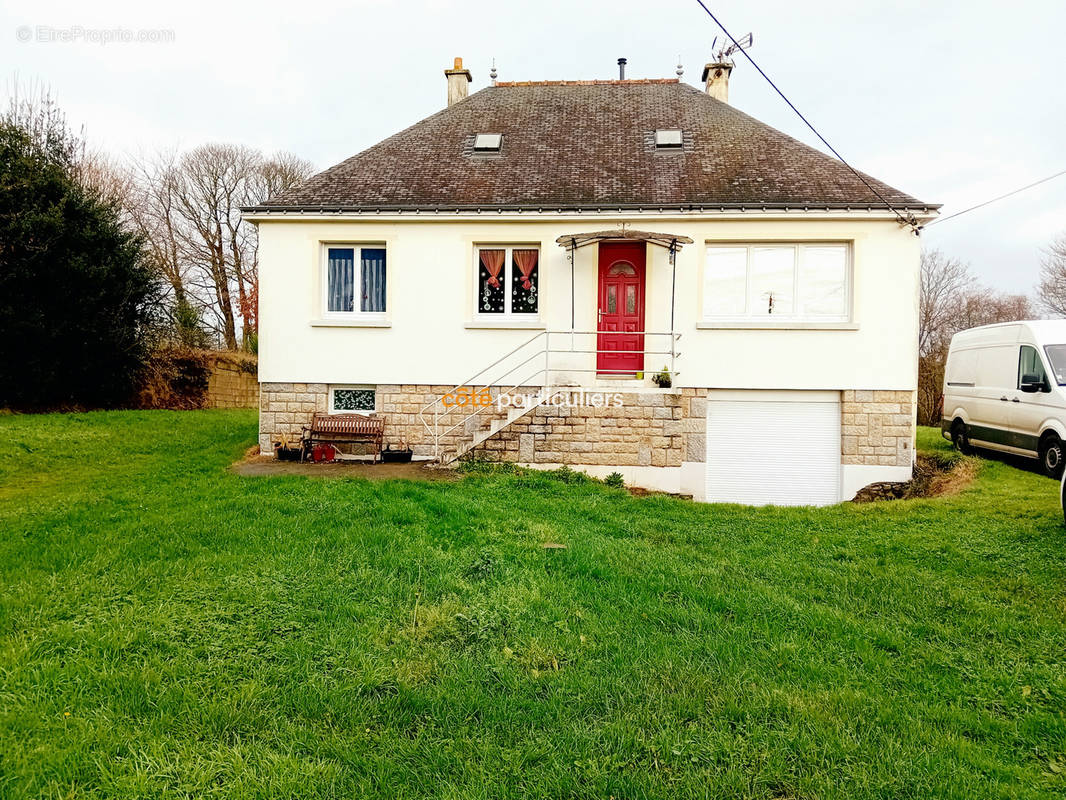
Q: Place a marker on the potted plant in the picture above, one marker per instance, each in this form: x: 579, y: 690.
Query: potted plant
x: 283, y: 452
x: 396, y: 455
x: 662, y: 379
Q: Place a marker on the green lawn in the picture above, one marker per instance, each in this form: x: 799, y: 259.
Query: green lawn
x: 170, y: 629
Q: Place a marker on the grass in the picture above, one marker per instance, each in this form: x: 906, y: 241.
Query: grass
x: 168, y: 629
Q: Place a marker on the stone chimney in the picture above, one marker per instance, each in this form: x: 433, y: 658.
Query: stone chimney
x: 458, y: 78
x: 716, y: 76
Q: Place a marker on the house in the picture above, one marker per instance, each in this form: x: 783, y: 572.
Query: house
x: 507, y: 278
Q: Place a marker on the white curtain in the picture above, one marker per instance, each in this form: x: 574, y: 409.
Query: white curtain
x: 341, y: 289
x: 373, y: 284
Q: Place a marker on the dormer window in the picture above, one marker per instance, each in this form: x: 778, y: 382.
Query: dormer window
x: 488, y: 142
x: 668, y: 138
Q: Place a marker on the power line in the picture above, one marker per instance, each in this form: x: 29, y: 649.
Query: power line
x: 995, y: 199
x: 903, y: 220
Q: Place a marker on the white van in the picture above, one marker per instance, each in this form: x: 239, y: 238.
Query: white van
x: 1005, y: 389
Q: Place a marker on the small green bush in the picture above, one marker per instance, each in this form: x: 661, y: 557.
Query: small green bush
x: 615, y: 480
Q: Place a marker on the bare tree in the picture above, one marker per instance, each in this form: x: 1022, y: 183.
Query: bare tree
x: 950, y: 302
x: 985, y: 306
x: 153, y: 214
x: 1052, y: 288
x: 943, y: 280
x: 190, y: 213
x: 187, y: 210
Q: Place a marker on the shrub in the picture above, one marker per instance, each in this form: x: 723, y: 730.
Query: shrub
x: 74, y: 285
x: 615, y: 480
x: 175, y: 379
x: 188, y: 325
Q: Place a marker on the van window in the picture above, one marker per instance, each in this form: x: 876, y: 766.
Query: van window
x: 1056, y: 354
x: 1029, y: 364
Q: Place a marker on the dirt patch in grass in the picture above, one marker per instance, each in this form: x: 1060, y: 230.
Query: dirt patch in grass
x: 638, y: 491
x: 266, y: 466
x: 934, y: 476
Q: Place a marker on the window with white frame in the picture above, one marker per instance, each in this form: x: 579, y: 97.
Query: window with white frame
x: 352, y: 399
x: 354, y: 280
x: 507, y: 280
x: 786, y: 282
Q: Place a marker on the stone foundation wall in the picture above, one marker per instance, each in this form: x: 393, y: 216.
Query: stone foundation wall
x: 284, y: 409
x: 877, y: 427
x: 648, y: 429
x: 651, y: 428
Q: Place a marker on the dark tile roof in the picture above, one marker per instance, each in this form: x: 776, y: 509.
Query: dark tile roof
x: 588, y: 144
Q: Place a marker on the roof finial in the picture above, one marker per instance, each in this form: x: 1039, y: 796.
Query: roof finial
x: 680, y: 69
x: 492, y: 74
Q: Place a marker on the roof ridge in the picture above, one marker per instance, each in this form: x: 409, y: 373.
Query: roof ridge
x: 614, y: 82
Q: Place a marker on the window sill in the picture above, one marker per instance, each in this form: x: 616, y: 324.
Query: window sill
x: 506, y: 324
x: 354, y: 322
x: 784, y: 325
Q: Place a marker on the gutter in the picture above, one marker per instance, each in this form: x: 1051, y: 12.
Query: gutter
x: 266, y: 212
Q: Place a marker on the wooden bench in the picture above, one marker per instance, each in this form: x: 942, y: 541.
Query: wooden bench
x: 344, y: 428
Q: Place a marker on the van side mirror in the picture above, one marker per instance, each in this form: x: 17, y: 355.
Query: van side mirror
x: 1033, y: 383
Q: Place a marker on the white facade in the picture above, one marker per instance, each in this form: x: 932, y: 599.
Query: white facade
x: 429, y: 333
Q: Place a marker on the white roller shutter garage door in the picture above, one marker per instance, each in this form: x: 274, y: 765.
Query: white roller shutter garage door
x: 773, y: 452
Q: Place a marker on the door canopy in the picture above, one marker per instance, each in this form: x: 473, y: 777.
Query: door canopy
x: 670, y: 241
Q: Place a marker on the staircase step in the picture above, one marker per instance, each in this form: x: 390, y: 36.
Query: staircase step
x: 482, y: 434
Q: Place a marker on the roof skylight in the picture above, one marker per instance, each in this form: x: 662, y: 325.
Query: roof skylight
x: 488, y: 142
x: 668, y: 137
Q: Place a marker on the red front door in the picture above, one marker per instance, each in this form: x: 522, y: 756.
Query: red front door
x: 620, y: 337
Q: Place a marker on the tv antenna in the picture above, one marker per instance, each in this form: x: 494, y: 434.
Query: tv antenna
x: 743, y: 43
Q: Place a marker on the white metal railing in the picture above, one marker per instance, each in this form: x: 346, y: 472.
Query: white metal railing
x: 530, y: 353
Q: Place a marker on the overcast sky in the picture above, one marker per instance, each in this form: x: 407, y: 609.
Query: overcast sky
x: 953, y: 101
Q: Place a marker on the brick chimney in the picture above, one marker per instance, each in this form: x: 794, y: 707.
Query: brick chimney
x: 716, y: 76
x: 458, y: 80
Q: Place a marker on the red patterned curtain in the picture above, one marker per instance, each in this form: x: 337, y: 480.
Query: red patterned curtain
x: 526, y: 261
x: 492, y: 260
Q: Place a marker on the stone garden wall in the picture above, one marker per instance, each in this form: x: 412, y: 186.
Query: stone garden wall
x: 232, y: 383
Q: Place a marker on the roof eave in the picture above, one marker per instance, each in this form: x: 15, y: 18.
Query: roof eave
x: 605, y: 208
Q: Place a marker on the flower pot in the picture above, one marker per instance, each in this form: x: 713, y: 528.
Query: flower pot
x: 390, y: 456
x: 287, y: 453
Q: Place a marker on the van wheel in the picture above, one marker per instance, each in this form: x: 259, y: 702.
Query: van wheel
x: 960, y: 439
x: 1052, y: 458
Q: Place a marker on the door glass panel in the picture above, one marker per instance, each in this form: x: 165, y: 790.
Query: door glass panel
x: 631, y: 299
x: 612, y: 299
x: 622, y: 268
